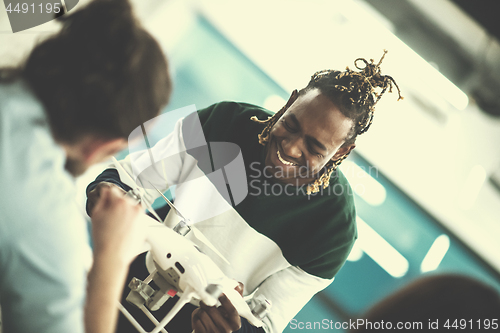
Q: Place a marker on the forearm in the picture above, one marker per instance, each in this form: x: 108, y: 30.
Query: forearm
x: 288, y: 291
x: 116, y: 234
x: 105, y: 284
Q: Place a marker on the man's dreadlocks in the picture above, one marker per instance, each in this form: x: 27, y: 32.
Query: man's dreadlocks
x: 355, y: 93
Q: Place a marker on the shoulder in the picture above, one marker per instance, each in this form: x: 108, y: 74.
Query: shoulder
x: 227, y: 119
x: 36, y: 204
x: 232, y: 109
x: 229, y: 112
x: 17, y: 96
x: 340, y: 193
x: 333, y: 220
x: 340, y: 204
x: 22, y: 119
x: 336, y: 202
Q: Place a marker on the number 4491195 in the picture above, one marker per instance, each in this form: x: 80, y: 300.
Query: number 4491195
x: 479, y: 324
x: 32, y: 8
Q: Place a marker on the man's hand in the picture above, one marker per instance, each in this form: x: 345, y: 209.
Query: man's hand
x: 211, y: 319
x: 95, y: 194
x: 116, y: 232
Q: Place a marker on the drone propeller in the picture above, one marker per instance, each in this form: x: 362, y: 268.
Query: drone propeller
x: 138, y: 192
x: 202, y: 238
x: 171, y: 204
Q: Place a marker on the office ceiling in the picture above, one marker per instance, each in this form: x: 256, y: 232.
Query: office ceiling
x: 460, y: 37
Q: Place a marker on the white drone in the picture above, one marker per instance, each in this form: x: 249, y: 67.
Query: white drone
x: 181, y: 268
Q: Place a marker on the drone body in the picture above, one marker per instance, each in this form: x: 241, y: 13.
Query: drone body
x: 180, y: 267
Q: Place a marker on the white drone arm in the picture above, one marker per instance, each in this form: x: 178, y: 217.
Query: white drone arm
x: 181, y: 267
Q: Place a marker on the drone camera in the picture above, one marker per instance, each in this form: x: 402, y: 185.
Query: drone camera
x: 166, y: 291
x: 140, y: 292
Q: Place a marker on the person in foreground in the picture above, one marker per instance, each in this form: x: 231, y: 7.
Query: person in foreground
x: 292, y: 232
x: 71, y: 104
x: 436, y: 303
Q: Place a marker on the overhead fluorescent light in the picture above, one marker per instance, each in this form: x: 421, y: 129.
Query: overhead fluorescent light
x: 415, y: 70
x: 274, y: 103
x: 473, y: 184
x: 436, y: 253
x: 363, y: 183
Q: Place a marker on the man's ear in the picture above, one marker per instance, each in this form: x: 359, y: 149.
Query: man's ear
x: 293, y: 97
x: 343, y: 150
x: 98, y: 149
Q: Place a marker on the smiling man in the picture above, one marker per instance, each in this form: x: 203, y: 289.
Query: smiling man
x: 311, y: 133
x: 291, y: 234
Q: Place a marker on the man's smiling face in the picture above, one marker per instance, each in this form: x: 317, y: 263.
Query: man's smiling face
x: 308, y: 135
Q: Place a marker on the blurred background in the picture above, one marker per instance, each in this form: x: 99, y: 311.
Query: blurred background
x: 426, y: 175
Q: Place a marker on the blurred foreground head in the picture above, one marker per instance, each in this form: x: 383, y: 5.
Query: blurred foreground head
x: 440, y: 297
x: 101, y: 75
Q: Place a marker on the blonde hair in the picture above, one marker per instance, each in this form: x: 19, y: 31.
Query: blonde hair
x: 355, y: 93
